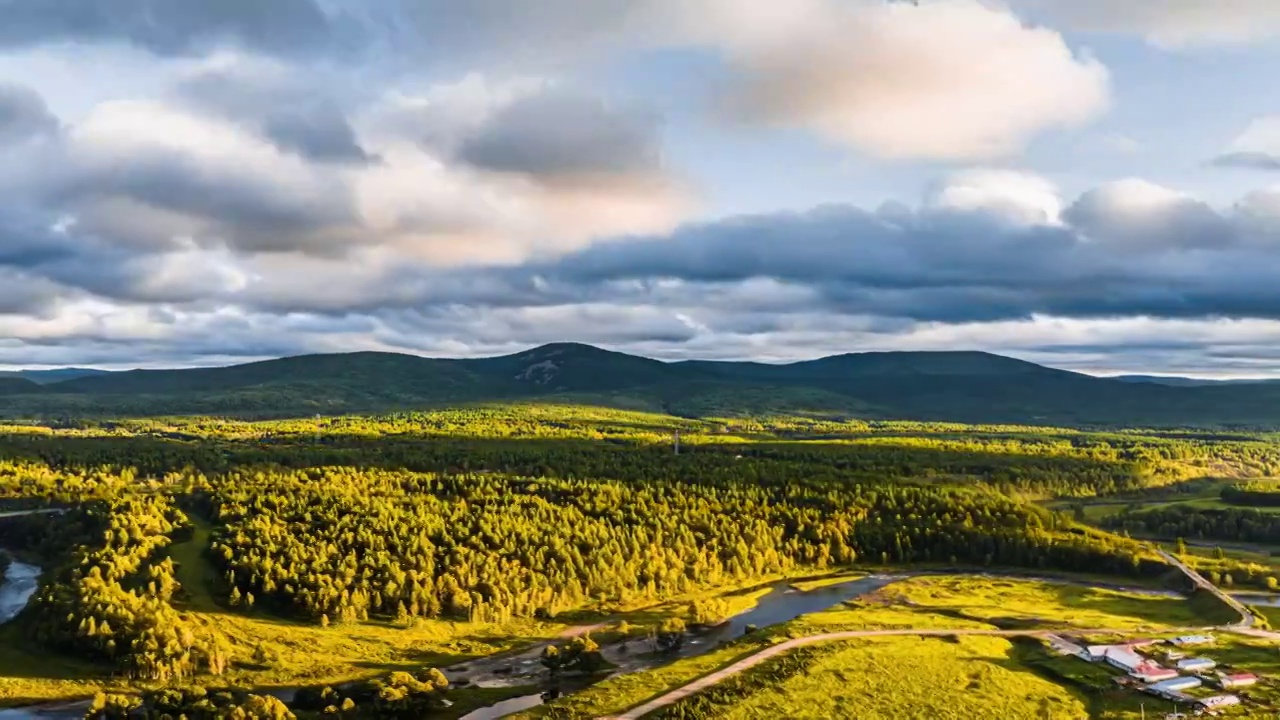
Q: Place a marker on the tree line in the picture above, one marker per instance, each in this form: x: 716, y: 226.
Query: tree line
x: 339, y: 545
x: 110, y: 600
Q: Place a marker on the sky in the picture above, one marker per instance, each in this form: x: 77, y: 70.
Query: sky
x: 1086, y: 184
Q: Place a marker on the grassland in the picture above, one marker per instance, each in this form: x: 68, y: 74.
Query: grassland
x: 621, y: 692
x: 906, y: 677
x: 897, y: 679
x: 1015, y: 604
x: 1203, y: 493
x: 291, y: 654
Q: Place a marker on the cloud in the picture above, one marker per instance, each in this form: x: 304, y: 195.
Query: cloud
x: 229, y: 170
x: 1167, y: 23
x: 1257, y: 148
x: 172, y: 27
x: 557, y: 137
x: 1119, y: 144
x: 1022, y: 197
x: 952, y: 79
x: 318, y: 131
x: 465, y: 178
x: 23, y: 114
x: 1129, y: 248
x: 948, y: 79
x: 200, y: 178
x: 23, y: 293
x: 1137, y: 213
x: 1251, y: 160
x: 291, y: 109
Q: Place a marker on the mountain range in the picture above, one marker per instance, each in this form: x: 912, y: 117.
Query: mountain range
x: 941, y: 386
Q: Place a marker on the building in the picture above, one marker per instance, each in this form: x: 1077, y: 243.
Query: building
x: 1122, y: 657
x: 1218, y: 701
x: 1097, y: 652
x: 1187, y: 640
x: 1236, y: 680
x: 1196, y: 664
x: 1175, y: 685
x: 1063, y: 646
x: 1143, y: 642
x: 1149, y: 672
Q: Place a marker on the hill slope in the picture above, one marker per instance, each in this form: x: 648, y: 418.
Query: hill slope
x: 17, y: 386
x: 950, y: 386
x: 1184, y: 381
x: 45, y: 377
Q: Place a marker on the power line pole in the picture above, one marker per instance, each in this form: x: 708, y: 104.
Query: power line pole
x: 677, y: 442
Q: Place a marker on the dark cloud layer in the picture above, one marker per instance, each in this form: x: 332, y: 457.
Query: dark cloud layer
x: 291, y: 109
x: 23, y: 114
x: 318, y: 131
x: 171, y: 27
x: 557, y: 135
x: 1111, y: 258
x: 219, y: 205
x: 1251, y: 160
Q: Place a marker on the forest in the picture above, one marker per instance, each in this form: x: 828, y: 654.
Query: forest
x: 497, y: 515
x: 1252, y: 494
x: 1226, y: 524
x: 970, y: 387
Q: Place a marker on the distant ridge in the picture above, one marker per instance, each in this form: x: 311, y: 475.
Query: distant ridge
x: 1185, y: 381
x: 45, y: 377
x: 957, y: 386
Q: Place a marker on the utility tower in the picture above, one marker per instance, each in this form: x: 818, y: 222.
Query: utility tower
x: 677, y: 442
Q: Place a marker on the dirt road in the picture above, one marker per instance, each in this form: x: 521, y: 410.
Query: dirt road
x: 1244, y: 627
x: 749, y: 662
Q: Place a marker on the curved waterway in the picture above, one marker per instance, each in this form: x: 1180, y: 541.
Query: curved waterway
x: 20, y: 580
x: 782, y: 603
x: 20, y: 583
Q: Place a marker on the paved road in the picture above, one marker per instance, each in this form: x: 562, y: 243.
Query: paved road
x: 773, y: 651
x: 1246, y: 617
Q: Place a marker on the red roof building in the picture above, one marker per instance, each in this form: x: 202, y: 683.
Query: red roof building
x: 1236, y: 680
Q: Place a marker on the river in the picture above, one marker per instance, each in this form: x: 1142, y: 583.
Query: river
x: 782, y: 603
x: 20, y: 581
x: 1259, y: 599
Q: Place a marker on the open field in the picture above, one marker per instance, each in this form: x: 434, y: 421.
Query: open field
x: 295, y: 654
x: 621, y: 692
x: 889, y: 679
x: 930, y: 666
x: 1010, y: 603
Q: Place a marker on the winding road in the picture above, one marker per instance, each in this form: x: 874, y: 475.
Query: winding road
x: 1245, y: 626
x: 747, y: 663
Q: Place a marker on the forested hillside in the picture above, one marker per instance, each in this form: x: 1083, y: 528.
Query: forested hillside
x: 235, y: 553
x: 951, y: 386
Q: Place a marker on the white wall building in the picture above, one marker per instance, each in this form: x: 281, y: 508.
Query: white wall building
x: 1186, y: 640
